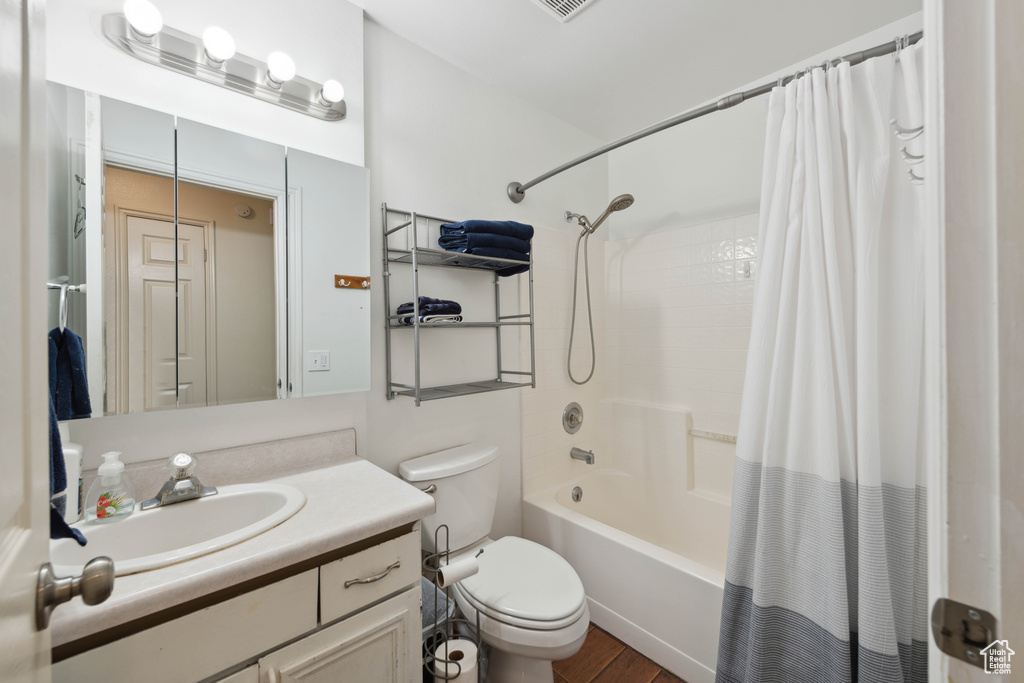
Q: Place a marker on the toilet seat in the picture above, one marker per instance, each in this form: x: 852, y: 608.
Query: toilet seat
x: 524, y: 584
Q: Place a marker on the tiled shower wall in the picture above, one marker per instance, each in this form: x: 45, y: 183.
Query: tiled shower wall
x: 672, y: 316
x: 678, y: 311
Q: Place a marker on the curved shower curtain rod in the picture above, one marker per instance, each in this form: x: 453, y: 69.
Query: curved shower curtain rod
x: 517, y: 191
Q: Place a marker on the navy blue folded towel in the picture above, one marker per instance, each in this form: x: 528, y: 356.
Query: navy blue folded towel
x: 497, y: 252
x: 68, y: 384
x: 507, y: 228
x: 470, y: 242
x: 59, y: 484
x: 431, y: 306
x: 69, y: 399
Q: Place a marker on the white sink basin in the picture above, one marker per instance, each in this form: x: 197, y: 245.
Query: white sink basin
x: 156, y: 538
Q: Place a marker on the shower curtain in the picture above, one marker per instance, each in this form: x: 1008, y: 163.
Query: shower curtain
x: 826, y: 576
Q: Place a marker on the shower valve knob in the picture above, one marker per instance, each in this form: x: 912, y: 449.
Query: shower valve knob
x: 572, y: 417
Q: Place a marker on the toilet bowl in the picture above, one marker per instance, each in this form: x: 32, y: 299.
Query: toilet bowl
x: 530, y: 605
x: 529, y: 602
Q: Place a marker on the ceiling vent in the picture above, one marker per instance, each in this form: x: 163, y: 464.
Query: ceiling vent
x: 564, y: 10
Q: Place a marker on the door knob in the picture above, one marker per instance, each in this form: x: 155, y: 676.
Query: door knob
x: 94, y: 585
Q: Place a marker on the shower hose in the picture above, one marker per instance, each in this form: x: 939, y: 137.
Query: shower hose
x: 585, y: 238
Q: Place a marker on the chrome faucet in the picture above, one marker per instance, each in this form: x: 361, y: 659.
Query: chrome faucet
x: 580, y: 454
x: 182, y: 485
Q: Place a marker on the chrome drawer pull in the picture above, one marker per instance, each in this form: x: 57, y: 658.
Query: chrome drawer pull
x: 375, y: 577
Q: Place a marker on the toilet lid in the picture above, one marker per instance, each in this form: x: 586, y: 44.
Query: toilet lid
x: 525, y: 580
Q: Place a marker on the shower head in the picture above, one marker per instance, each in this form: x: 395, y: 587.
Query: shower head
x: 623, y: 201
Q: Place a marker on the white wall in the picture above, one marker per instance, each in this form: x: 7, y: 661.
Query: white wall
x: 436, y: 140
x: 709, y: 169
x: 546, y: 444
x: 443, y: 143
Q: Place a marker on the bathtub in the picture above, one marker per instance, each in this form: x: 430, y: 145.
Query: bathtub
x: 652, y: 561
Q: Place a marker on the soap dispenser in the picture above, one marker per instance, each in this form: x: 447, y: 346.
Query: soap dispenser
x: 111, y: 495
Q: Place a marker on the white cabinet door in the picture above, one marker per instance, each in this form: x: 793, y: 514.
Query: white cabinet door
x: 379, y: 645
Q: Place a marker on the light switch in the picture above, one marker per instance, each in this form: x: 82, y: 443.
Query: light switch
x: 318, y: 361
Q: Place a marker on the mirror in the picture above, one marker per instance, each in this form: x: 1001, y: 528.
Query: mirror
x: 209, y: 259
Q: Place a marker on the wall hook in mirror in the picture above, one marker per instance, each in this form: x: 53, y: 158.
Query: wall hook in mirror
x: 79, y: 227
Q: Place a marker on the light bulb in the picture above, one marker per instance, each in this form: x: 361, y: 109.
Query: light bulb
x: 144, y: 17
x: 219, y: 44
x: 280, y: 68
x: 331, y: 92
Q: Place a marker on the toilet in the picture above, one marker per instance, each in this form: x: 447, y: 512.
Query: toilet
x: 530, y: 601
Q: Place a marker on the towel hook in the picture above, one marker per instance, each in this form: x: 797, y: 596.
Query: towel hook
x: 62, y: 316
x: 80, y: 213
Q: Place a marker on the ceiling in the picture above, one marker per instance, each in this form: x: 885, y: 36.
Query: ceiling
x: 621, y: 65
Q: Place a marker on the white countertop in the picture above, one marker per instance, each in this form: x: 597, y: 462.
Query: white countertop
x: 345, y: 503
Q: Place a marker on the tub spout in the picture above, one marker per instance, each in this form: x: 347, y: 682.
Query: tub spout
x: 580, y: 454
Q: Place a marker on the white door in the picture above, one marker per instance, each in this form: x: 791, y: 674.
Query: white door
x: 24, y: 515
x: 192, y: 327
x: 164, y: 370
x: 975, y: 157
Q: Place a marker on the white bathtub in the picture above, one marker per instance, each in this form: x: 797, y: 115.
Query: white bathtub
x: 652, y: 561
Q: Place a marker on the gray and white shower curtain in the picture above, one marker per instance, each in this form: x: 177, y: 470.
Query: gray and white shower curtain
x: 826, y: 576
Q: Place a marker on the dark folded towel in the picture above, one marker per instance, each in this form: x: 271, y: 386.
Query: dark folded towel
x: 507, y: 228
x: 513, y: 270
x: 475, y: 240
x: 68, y: 384
x: 497, y: 252
x: 431, y: 306
x: 60, y: 529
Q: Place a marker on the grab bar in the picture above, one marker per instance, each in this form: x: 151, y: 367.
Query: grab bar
x: 714, y: 436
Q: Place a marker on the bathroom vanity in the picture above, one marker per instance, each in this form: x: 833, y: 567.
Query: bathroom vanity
x: 334, y: 591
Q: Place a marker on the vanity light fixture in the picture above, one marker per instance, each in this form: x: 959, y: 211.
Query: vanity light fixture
x: 280, y: 69
x: 144, y: 19
x: 331, y: 92
x: 219, y: 46
x: 140, y: 32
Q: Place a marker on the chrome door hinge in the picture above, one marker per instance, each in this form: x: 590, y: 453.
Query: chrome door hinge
x: 964, y: 632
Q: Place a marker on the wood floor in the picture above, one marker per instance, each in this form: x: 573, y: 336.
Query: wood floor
x: 604, y: 659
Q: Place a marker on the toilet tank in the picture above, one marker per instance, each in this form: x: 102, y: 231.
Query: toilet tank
x: 466, y: 478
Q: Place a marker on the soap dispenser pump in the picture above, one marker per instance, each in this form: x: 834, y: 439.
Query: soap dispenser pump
x: 111, y: 495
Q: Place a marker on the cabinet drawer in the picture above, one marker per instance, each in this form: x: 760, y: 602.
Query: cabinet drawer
x: 203, y: 643
x: 368, y: 576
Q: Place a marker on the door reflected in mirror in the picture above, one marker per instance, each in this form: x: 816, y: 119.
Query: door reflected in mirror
x: 226, y: 295
x: 199, y: 257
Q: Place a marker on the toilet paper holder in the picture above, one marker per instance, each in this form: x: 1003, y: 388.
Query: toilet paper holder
x: 443, y: 632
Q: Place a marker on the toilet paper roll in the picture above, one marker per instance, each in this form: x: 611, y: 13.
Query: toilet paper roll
x: 461, y: 659
x: 457, y: 571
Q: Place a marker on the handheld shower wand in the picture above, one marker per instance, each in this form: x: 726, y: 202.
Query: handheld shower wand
x: 623, y: 201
